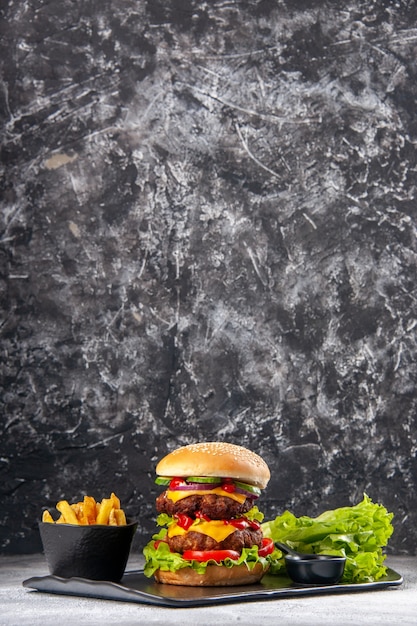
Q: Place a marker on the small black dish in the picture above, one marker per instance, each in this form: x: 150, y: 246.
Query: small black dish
x: 313, y: 569
x: 95, y: 552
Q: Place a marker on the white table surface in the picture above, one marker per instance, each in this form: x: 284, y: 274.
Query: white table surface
x: 21, y: 606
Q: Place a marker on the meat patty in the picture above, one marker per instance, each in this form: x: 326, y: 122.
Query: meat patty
x: 215, y: 507
x: 197, y: 541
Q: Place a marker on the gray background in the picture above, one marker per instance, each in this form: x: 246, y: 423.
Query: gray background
x: 208, y: 232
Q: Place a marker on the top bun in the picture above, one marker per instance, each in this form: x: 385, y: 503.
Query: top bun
x: 215, y: 458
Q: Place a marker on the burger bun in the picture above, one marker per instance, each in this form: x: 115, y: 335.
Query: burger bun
x: 214, y: 576
x: 217, y: 459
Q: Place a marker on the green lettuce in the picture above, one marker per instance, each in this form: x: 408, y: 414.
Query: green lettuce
x: 162, y: 558
x: 158, y: 555
x: 358, y: 532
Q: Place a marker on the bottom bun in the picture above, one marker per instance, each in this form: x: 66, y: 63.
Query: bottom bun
x: 214, y: 576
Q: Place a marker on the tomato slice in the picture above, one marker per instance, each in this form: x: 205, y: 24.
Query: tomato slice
x: 267, y: 547
x: 200, y: 515
x: 228, y: 485
x: 176, y: 482
x: 243, y: 522
x: 210, y: 555
x: 183, y: 520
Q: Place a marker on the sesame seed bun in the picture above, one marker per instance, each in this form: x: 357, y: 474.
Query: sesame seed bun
x: 216, y: 458
x: 214, y: 576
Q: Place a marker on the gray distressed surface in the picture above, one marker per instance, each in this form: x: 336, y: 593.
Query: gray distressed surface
x: 22, y: 607
x: 208, y: 231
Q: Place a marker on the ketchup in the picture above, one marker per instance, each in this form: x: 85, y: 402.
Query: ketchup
x: 243, y: 522
x: 228, y: 485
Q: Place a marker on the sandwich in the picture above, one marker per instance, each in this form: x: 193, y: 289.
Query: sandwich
x: 211, y: 526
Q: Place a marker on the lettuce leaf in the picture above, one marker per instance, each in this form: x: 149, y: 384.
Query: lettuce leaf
x: 161, y: 557
x: 358, y: 532
x: 254, y: 514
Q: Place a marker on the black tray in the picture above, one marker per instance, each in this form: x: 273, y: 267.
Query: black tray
x: 135, y: 587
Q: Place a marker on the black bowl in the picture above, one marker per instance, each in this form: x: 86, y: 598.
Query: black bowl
x: 96, y: 552
x: 315, y: 569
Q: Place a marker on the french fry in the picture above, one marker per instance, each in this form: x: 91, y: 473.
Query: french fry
x: 68, y: 513
x: 120, y: 517
x: 89, y: 509
x: 78, y: 509
x: 117, y: 517
x: 89, y: 512
x: 112, y: 518
x: 115, y: 500
x: 47, y: 517
x: 105, y: 508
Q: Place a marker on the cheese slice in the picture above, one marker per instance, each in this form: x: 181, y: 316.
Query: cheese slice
x: 216, y: 529
x: 218, y: 491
